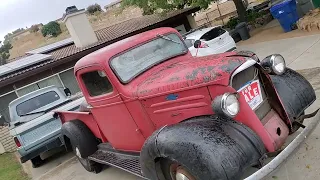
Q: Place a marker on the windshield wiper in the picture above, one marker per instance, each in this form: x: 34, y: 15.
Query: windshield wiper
x: 37, y: 112
x: 167, y: 38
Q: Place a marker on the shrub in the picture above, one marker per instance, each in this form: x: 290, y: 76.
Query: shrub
x: 94, y: 8
x: 251, y: 16
x: 233, y: 21
x: 52, y: 28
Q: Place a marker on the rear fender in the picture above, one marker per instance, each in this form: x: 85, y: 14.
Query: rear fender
x: 86, y: 117
x: 210, y: 146
x: 295, y: 92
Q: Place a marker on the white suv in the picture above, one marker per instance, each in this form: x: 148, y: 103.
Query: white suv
x: 214, y: 40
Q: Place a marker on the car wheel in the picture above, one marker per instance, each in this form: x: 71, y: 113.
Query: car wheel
x: 36, y: 161
x: 172, y: 170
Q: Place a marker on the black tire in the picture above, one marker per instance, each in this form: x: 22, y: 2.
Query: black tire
x: 36, y: 161
x: 83, y: 143
x: 80, y: 136
x: 89, y: 165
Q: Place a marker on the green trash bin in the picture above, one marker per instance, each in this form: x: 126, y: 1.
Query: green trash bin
x: 316, y: 3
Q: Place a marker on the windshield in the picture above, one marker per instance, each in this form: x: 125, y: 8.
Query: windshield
x: 37, y: 102
x: 135, y: 61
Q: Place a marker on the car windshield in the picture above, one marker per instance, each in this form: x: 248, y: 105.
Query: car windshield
x: 137, y: 60
x: 37, y: 102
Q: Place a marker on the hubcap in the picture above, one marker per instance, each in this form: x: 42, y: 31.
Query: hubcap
x: 180, y: 176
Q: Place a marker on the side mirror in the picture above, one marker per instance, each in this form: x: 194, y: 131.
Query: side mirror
x: 67, y: 91
x: 197, y: 44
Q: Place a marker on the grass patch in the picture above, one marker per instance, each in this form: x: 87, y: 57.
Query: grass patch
x: 10, y: 168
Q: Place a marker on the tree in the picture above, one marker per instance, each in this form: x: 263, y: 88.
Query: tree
x: 52, y: 28
x: 17, y: 30
x: 150, y: 6
x: 4, y: 52
x: 94, y: 8
x: 7, y: 38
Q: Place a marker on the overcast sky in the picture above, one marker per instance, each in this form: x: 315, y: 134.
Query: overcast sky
x: 16, y: 14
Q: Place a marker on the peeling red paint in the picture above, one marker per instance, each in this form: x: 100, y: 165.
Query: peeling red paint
x: 185, y: 72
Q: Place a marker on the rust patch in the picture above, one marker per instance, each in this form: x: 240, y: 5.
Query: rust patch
x: 185, y: 72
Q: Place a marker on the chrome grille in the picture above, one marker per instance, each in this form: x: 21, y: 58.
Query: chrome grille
x: 245, y: 76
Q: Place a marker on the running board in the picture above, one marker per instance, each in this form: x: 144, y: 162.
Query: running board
x: 125, y: 162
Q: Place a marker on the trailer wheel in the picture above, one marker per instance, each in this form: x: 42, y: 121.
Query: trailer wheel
x: 36, y: 161
x: 172, y: 170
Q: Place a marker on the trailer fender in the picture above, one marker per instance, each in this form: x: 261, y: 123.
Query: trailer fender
x: 295, y: 92
x: 210, y: 147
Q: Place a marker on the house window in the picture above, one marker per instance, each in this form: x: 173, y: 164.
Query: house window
x: 96, y: 83
x: 54, y: 80
x: 70, y: 81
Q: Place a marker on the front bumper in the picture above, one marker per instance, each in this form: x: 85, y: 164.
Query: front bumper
x: 51, y: 145
x: 269, y: 168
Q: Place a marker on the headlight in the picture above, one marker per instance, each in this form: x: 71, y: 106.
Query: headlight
x: 227, y: 104
x: 275, y: 63
x: 278, y: 64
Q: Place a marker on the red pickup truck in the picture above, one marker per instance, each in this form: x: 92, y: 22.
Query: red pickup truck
x: 154, y: 110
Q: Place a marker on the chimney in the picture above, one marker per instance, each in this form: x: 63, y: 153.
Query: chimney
x: 79, y: 27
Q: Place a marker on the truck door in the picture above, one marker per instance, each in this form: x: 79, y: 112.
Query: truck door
x: 109, y: 110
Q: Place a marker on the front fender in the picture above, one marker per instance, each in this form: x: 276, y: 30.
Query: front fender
x: 210, y: 147
x: 295, y: 92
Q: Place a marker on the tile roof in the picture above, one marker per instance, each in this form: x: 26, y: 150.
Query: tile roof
x: 105, y: 35
x: 118, y: 30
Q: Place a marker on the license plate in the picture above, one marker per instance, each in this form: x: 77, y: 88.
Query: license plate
x: 252, y: 93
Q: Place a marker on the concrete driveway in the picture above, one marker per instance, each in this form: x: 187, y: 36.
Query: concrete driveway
x: 300, y: 53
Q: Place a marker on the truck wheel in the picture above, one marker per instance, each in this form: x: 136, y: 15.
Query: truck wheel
x: 83, y: 143
x: 36, y: 161
x: 89, y: 165
x: 172, y: 170
x: 80, y: 136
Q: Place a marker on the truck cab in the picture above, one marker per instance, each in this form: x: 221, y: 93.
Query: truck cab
x: 156, y: 111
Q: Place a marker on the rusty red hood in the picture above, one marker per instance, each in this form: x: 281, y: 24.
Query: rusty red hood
x: 185, y: 71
